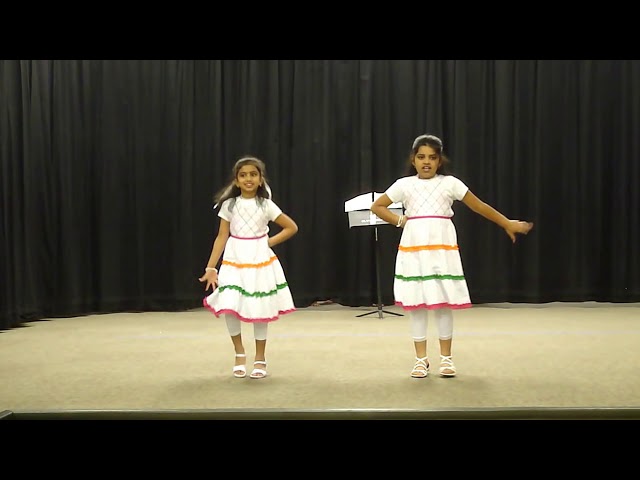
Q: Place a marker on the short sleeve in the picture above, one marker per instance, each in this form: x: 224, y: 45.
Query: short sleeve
x: 395, y: 192
x: 273, y: 210
x: 224, y: 212
x: 457, y: 188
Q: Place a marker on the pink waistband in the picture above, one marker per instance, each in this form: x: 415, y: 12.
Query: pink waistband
x: 248, y: 238
x: 430, y: 216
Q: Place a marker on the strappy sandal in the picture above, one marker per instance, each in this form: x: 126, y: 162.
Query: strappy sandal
x: 240, y: 371
x: 259, y: 372
x: 447, y: 368
x: 421, y: 368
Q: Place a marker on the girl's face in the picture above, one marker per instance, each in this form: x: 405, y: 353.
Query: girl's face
x: 426, y: 162
x: 248, y: 179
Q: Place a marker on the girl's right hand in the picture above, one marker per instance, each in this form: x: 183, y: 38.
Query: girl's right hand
x: 211, y: 278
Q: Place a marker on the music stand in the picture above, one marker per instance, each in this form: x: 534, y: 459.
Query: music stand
x: 360, y: 215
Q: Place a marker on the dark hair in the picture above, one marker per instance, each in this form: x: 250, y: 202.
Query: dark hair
x: 231, y: 190
x: 433, y: 142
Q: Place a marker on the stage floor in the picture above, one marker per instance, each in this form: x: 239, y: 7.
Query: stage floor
x: 553, y: 360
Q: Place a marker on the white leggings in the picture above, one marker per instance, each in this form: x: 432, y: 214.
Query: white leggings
x: 418, y: 319
x: 235, y: 327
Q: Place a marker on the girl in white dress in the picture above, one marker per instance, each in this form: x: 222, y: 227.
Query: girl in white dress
x: 251, y: 286
x: 428, y: 269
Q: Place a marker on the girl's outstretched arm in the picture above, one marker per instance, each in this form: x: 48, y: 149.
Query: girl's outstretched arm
x: 289, y: 229
x: 512, y: 227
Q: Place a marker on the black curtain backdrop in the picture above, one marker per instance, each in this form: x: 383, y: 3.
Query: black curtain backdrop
x: 108, y: 169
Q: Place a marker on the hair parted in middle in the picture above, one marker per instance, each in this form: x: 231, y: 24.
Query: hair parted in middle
x: 231, y: 190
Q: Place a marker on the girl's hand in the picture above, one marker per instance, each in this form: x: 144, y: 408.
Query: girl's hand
x: 211, y: 277
x: 517, y: 226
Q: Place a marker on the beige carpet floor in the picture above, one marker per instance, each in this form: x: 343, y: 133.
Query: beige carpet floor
x: 324, y: 359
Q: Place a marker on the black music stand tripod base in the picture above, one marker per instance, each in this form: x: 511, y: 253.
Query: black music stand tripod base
x: 380, y: 311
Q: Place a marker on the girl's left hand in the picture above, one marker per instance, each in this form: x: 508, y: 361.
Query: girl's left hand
x: 518, y: 226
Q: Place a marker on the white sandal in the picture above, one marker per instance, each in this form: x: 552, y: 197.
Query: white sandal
x: 447, y: 364
x: 421, y: 368
x: 259, y: 372
x: 240, y: 371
